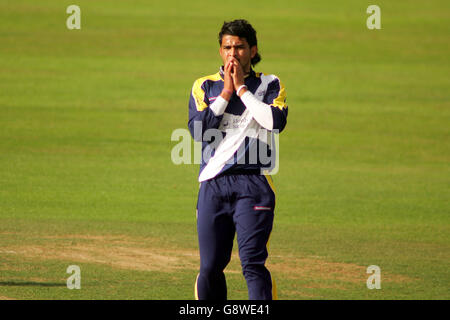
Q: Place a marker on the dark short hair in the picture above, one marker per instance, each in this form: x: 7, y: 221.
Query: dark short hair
x: 242, y: 29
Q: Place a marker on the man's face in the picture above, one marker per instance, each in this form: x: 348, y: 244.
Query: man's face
x: 233, y: 46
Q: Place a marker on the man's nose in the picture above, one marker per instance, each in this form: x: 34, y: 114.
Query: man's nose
x: 233, y: 52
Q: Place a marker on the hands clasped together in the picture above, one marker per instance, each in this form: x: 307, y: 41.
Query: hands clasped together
x: 233, y: 79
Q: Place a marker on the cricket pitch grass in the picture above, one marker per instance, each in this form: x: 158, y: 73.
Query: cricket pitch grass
x: 86, y: 176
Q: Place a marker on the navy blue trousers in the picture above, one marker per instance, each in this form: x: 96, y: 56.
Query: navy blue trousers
x: 228, y: 205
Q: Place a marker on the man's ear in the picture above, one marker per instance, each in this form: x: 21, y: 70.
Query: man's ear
x: 253, y: 51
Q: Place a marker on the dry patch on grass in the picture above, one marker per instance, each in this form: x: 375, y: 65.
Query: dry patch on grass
x: 318, y: 268
x: 325, y: 274
x: 147, y: 254
x: 120, y: 251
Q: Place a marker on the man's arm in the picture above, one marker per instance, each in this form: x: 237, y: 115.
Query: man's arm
x: 199, y: 108
x: 200, y: 111
x: 221, y: 103
x: 271, y: 113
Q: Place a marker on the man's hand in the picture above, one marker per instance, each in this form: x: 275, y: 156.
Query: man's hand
x: 238, y: 76
x: 228, y: 86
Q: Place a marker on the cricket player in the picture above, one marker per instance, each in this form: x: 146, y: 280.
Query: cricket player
x: 234, y: 113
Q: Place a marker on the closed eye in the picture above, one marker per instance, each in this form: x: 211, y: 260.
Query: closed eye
x: 236, y: 47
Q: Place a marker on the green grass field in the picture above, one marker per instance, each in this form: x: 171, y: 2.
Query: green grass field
x: 86, y: 176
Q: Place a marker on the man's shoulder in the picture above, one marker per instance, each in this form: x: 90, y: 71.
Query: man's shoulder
x: 267, y: 77
x: 271, y: 81
x: 212, y: 77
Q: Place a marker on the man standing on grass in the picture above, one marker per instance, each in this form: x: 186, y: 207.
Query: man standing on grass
x: 234, y: 113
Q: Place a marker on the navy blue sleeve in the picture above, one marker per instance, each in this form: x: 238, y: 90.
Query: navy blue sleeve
x: 200, y: 115
x: 276, y: 98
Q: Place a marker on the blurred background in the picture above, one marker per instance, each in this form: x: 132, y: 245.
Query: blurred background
x: 86, y: 118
